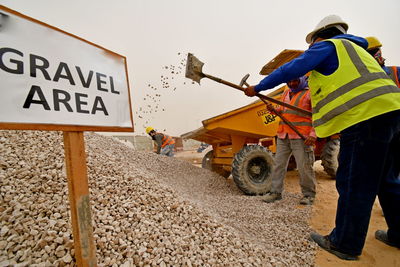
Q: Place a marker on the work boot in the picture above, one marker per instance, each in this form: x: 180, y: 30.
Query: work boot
x: 381, y: 235
x: 307, y: 200
x: 272, y: 197
x: 323, y: 242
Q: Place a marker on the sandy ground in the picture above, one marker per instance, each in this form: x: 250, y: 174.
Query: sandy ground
x: 375, y: 253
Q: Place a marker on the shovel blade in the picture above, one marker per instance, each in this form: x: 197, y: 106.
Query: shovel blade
x: 194, y: 68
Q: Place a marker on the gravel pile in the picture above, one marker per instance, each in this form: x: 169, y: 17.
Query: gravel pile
x: 148, y: 210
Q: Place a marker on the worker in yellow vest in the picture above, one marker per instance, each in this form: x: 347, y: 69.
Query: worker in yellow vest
x: 351, y: 94
x: 375, y: 50
x: 165, y: 143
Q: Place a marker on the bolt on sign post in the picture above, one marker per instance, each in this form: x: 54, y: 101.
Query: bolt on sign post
x: 51, y: 80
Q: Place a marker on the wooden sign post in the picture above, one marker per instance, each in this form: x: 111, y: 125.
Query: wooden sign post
x: 78, y: 189
x: 51, y: 80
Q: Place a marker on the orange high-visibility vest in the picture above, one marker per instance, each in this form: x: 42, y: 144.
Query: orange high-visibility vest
x: 302, y: 122
x: 167, y: 140
x: 394, y: 75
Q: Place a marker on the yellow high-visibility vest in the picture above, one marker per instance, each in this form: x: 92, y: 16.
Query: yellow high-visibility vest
x: 358, y: 90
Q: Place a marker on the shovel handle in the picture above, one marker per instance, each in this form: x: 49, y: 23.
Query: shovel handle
x: 262, y: 97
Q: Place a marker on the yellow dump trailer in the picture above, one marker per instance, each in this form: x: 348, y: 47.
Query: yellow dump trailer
x: 244, y: 133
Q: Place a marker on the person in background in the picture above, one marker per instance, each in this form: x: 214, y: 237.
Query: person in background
x: 375, y: 50
x: 352, y: 95
x: 289, y: 142
x: 165, y: 143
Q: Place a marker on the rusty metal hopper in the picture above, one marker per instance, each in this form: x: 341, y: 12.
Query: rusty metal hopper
x: 282, y: 58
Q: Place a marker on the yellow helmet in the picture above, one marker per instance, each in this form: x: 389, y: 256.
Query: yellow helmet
x: 149, y: 129
x: 373, y: 42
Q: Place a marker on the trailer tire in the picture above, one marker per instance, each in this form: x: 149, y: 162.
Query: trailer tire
x: 329, y: 157
x: 206, y: 163
x: 252, y: 168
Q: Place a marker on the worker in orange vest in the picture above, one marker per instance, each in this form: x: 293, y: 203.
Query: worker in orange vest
x: 165, y: 143
x: 289, y: 142
x: 375, y: 50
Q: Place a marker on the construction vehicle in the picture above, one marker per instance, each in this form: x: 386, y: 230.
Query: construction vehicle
x: 244, y: 139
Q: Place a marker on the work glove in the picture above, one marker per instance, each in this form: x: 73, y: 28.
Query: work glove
x: 249, y: 91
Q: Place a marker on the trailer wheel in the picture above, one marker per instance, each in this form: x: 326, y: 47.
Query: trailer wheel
x: 206, y: 163
x: 329, y: 157
x: 252, y: 168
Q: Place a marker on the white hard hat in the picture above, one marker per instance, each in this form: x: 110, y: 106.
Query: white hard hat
x: 328, y: 22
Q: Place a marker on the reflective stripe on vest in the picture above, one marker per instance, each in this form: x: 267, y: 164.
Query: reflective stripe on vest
x: 358, y: 90
x: 167, y: 140
x: 394, y: 75
x: 302, y: 123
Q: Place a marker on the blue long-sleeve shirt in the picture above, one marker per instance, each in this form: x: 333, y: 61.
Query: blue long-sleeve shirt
x: 321, y: 57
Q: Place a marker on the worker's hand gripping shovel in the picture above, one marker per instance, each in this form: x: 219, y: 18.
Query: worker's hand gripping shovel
x: 194, y: 72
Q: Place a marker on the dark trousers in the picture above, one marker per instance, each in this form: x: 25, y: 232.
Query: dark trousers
x: 369, y: 166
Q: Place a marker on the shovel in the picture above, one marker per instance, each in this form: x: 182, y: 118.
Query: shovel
x: 194, y: 72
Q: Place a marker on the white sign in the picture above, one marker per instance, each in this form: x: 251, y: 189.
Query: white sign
x: 48, y: 76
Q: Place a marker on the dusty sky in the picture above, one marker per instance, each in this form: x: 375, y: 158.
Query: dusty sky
x: 231, y: 37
